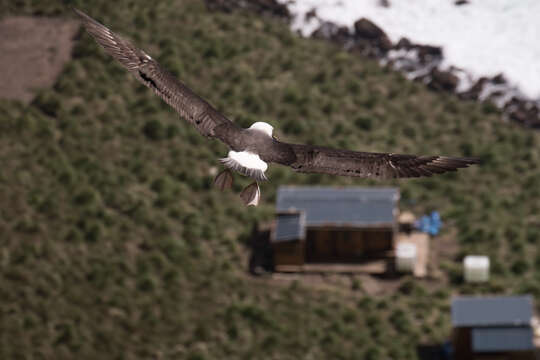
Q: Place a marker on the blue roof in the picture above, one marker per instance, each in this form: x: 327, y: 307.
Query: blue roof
x: 471, y: 311
x: 340, y: 206
x: 502, y: 339
x: 298, y: 207
x: 290, y: 226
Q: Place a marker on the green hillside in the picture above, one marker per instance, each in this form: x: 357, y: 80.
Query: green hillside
x: 113, y: 243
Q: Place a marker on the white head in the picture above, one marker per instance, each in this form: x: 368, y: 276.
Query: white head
x: 262, y: 126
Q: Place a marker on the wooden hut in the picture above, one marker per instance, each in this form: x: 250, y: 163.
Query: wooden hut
x: 326, y: 225
x: 492, y: 327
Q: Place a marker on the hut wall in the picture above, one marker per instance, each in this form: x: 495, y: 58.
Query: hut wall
x: 461, y: 339
x: 327, y: 245
x: 289, y: 253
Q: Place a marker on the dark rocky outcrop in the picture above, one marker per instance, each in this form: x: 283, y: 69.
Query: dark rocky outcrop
x: 422, y: 62
x: 443, y: 80
x: 523, y: 112
x: 476, y: 90
x: 311, y: 14
x: 499, y: 79
x: 404, y: 43
x: 370, y: 38
x: 415, y: 58
x: 366, y: 29
x: 419, y: 62
x: 425, y: 52
x: 332, y: 32
x: 367, y: 38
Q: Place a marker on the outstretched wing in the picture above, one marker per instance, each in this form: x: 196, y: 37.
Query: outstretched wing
x: 189, y: 105
x: 318, y: 159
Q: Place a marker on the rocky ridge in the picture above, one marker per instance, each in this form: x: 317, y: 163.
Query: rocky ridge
x: 419, y: 62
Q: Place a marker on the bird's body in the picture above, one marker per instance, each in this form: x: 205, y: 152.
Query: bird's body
x: 252, y: 149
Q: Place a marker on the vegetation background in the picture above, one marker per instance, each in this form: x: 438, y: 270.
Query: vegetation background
x: 113, y: 243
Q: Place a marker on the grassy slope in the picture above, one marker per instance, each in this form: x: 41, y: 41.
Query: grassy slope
x: 114, y: 244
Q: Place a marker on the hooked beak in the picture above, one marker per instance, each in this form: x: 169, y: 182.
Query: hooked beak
x: 224, y: 180
x: 251, y: 194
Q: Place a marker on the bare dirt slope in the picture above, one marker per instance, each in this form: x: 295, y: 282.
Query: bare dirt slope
x: 33, y: 51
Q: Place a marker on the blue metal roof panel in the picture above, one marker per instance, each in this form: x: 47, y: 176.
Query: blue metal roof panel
x: 340, y: 206
x: 470, y: 311
x: 502, y: 339
x: 290, y: 227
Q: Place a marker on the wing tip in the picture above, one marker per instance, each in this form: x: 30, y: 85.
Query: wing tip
x: 78, y: 12
x: 433, y: 165
x: 459, y: 162
x: 92, y: 26
x: 84, y: 16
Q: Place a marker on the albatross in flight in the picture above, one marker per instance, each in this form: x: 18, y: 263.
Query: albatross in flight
x: 252, y: 149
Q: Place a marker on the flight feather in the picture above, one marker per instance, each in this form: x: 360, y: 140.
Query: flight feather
x: 318, y: 159
x: 148, y: 71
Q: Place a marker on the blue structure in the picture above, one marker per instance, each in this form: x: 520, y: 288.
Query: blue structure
x: 321, y: 206
x: 291, y: 226
x: 430, y: 224
x: 492, y: 325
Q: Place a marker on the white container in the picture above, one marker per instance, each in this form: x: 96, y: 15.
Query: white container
x: 405, y: 257
x: 476, y: 268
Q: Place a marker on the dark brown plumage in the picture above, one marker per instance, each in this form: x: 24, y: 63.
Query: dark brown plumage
x: 372, y: 165
x: 188, y: 104
x: 302, y: 158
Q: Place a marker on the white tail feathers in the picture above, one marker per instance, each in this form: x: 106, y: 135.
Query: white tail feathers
x: 247, y: 164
